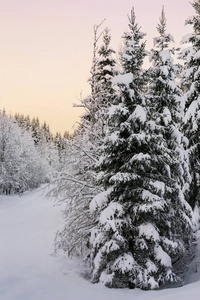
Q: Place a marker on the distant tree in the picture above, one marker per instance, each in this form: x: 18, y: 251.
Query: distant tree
x: 62, y: 148
x: 36, y: 131
x: 23, y: 121
x: 67, y: 135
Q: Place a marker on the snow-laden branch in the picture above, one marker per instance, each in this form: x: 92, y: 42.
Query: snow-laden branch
x: 84, y: 151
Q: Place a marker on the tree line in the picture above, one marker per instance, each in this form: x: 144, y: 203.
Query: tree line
x: 29, y: 153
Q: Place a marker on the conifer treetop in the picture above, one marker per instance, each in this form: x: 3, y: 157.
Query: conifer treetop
x: 133, y: 26
x: 164, y: 39
x: 162, y: 26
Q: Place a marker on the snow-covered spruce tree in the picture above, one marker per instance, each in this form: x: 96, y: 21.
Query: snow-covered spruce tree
x: 191, y: 87
x: 167, y: 145
x: 102, y: 95
x: 77, y: 181
x: 112, y: 239
x: 143, y: 219
x: 105, y: 94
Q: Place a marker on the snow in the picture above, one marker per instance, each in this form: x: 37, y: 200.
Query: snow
x: 164, y: 70
x: 196, y: 75
x: 113, y: 137
x: 139, y: 113
x: 191, y: 111
x: 151, y: 266
x: 158, y: 185
x: 147, y: 195
x: 99, y: 200
x: 149, y: 231
x: 107, y: 68
x: 186, y: 38
x: 196, y: 217
x: 108, y: 214
x: 123, y: 177
x: 29, y: 271
x: 125, y: 79
x: 188, y: 72
x: 117, y: 108
x: 140, y: 157
x: 167, y: 118
x: 163, y: 256
x: 197, y: 55
x: 124, y: 263
x: 165, y: 55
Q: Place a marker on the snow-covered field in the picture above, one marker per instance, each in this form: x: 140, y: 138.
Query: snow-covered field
x: 29, y: 271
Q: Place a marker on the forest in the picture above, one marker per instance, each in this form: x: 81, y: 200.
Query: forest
x: 129, y: 176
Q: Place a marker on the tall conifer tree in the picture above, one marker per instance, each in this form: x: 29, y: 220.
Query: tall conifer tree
x: 191, y: 88
x: 172, y: 165
x: 112, y: 240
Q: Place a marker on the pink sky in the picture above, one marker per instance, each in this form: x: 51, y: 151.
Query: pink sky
x: 46, y: 49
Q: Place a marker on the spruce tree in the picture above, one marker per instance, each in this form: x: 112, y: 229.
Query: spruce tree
x: 93, y: 123
x: 112, y: 240
x: 191, y: 87
x: 166, y: 112
x: 143, y: 218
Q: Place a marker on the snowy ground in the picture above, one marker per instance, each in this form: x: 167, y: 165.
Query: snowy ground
x: 29, y: 271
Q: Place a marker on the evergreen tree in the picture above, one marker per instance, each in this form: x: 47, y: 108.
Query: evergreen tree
x: 46, y: 132
x: 36, y: 131
x: 191, y: 87
x: 67, y: 135
x: 112, y: 239
x: 23, y: 121
x: 143, y: 219
x: 62, y: 148
x: 93, y: 123
x: 169, y: 143
x: 103, y: 89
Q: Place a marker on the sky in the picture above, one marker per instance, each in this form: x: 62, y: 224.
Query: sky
x: 46, y: 49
